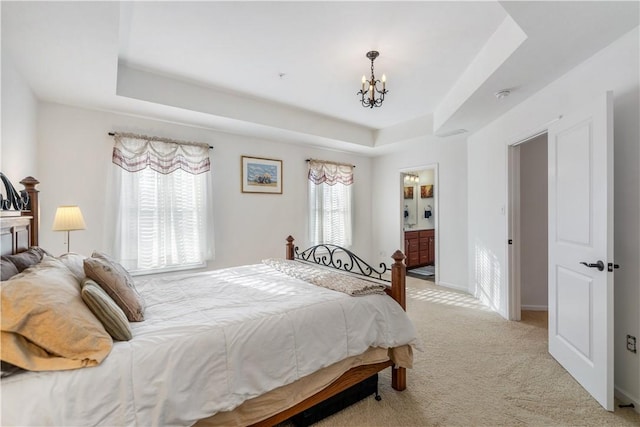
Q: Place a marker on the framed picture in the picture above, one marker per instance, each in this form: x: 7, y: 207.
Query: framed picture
x: 408, y: 192
x: 261, y: 175
x: 426, y: 191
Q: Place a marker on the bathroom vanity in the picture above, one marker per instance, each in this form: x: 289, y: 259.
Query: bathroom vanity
x: 419, y: 248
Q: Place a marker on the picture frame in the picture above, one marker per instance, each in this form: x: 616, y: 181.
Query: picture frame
x: 408, y: 192
x: 426, y: 191
x: 260, y: 175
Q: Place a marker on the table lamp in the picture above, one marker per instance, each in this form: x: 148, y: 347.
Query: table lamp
x: 68, y: 218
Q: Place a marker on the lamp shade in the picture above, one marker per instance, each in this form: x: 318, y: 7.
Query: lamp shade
x: 68, y: 218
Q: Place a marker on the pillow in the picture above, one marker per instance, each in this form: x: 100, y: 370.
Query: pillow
x: 75, y: 263
x: 45, y: 324
x: 7, y: 269
x: 106, y: 310
x: 117, y: 282
x: 26, y: 259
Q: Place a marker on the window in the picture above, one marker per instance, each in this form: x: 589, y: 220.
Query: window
x: 162, y: 198
x: 330, y: 203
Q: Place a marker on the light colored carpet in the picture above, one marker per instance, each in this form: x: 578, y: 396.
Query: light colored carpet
x: 478, y: 369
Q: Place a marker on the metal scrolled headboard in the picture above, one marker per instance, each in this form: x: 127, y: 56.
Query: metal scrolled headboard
x: 19, y: 216
x: 341, y: 259
x: 19, y: 201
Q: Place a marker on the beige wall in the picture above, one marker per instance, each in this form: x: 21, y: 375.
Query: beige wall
x: 18, y: 153
x: 75, y: 162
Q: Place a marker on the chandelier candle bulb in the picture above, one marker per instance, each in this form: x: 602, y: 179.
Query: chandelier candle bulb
x: 364, y: 79
x: 384, y: 81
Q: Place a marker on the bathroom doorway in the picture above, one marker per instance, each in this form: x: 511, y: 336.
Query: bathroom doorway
x: 528, y: 219
x: 419, y: 221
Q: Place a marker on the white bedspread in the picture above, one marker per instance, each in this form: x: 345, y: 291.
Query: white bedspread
x: 210, y: 341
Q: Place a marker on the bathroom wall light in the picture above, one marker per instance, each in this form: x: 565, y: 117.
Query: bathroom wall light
x: 411, y: 178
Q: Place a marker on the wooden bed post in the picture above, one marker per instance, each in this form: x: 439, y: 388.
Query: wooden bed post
x: 290, y: 248
x: 398, y: 279
x: 398, y: 292
x: 34, y: 208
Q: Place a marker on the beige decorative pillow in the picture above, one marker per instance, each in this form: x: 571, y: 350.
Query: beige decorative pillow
x: 106, y: 310
x: 117, y: 282
x: 45, y: 324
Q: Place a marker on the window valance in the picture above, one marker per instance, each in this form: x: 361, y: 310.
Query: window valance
x: 134, y: 153
x: 330, y: 173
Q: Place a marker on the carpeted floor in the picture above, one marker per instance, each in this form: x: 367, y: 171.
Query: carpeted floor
x: 477, y: 369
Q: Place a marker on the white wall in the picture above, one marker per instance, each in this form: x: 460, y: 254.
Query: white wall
x: 75, y: 158
x: 387, y: 201
x: 19, y: 111
x: 614, y: 68
x: 534, y: 224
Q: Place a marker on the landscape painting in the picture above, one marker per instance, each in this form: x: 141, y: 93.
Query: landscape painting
x: 261, y: 175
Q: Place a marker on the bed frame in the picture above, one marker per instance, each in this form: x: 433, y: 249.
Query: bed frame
x: 328, y: 255
x: 19, y: 229
x: 19, y: 217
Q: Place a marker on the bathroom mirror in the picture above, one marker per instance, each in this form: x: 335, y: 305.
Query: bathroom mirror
x: 418, y: 201
x: 410, y: 200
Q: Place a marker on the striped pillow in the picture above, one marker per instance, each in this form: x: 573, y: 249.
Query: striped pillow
x: 106, y: 310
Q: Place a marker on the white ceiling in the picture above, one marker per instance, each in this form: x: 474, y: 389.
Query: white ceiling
x: 219, y: 64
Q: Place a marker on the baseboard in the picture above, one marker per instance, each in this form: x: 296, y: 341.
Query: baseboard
x: 625, y: 398
x: 534, y: 307
x: 453, y: 286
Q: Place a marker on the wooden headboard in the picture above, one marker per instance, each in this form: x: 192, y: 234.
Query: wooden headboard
x: 19, y: 221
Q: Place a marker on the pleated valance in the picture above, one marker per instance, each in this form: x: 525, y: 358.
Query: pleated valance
x: 330, y: 173
x: 134, y: 153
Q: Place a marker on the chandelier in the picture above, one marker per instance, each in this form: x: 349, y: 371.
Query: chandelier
x: 368, y: 96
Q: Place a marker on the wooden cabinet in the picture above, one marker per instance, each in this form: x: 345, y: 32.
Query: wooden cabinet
x: 419, y: 248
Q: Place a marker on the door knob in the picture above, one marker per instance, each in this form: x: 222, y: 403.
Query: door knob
x: 599, y: 265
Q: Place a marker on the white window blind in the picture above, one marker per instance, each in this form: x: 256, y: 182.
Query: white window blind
x: 163, y: 206
x: 330, y: 203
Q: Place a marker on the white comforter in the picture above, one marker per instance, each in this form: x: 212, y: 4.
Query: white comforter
x: 209, y: 342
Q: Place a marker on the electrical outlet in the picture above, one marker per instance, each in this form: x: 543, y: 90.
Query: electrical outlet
x: 631, y: 344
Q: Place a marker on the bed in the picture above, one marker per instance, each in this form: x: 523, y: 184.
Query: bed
x: 211, y: 349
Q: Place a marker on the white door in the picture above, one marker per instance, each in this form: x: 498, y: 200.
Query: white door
x: 581, y: 231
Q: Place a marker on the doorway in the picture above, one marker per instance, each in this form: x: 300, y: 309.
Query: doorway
x: 419, y: 221
x: 580, y: 236
x: 528, y: 220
